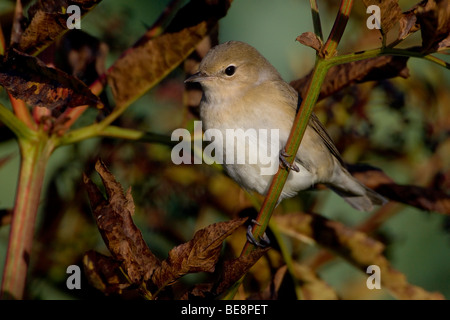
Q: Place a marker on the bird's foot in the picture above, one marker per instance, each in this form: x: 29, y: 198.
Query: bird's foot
x: 285, y: 164
x: 263, y: 242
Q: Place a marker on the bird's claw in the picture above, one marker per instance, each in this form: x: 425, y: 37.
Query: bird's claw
x: 285, y: 164
x: 263, y: 242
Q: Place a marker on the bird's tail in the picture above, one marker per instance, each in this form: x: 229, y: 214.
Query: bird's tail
x: 354, y: 192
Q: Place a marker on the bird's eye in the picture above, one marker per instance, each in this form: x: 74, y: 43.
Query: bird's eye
x: 230, y: 70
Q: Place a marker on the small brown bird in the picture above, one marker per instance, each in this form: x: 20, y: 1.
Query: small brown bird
x: 242, y: 90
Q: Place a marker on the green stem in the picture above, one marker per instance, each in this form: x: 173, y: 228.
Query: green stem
x: 34, y: 157
x: 329, y: 49
x: 316, y: 19
x: 357, y: 56
x: 286, y: 254
x: 14, y: 124
x: 114, y: 132
x: 22, y: 113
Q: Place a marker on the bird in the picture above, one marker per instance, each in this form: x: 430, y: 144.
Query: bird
x: 241, y: 89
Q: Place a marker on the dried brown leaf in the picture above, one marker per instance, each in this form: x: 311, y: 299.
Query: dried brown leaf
x: 29, y: 79
x: 232, y: 271
x: 341, y: 76
x: 434, y: 19
x: 103, y: 273
x: 312, y: 287
x: 354, y: 246
x: 197, y: 255
x: 114, y: 221
x: 47, y: 21
x: 310, y: 39
x: 5, y: 217
x: 81, y: 55
x: 408, y: 23
x: 271, y: 292
x: 151, y: 59
x: 419, y: 197
x: 390, y: 13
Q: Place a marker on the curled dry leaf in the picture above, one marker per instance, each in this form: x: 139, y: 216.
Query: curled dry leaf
x: 408, y: 23
x: 341, y: 76
x: 310, y: 39
x: 29, y: 79
x: 104, y: 273
x: 434, y: 19
x: 151, y: 59
x: 131, y: 253
x: 114, y: 221
x: 231, y: 272
x: 197, y: 255
x: 419, y: 197
x: 47, y: 21
x: 354, y: 246
x: 311, y: 286
x: 390, y: 13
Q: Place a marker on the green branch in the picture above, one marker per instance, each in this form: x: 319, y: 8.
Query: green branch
x: 34, y: 157
x: 316, y: 19
x: 14, y: 124
x: 357, y: 56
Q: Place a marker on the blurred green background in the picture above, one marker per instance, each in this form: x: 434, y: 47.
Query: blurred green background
x: 417, y: 242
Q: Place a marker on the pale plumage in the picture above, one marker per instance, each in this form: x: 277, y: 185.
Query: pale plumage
x: 242, y: 90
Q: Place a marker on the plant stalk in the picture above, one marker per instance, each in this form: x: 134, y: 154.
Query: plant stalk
x: 34, y: 157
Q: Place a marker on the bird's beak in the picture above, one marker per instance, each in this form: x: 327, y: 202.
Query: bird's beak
x: 197, y: 77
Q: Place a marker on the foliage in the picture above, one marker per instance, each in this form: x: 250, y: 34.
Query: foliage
x: 179, y: 232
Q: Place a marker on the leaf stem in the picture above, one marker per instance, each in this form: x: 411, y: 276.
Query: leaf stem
x: 14, y: 124
x: 22, y: 112
x: 356, y: 56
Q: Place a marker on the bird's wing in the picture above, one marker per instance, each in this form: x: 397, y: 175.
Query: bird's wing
x: 320, y: 129
x: 294, y: 101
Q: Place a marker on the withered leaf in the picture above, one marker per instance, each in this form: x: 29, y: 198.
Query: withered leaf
x: 29, y: 79
x: 434, y: 19
x: 5, y: 216
x: 47, y: 21
x: 103, y: 273
x: 344, y: 75
x: 354, y: 246
x: 151, y: 59
x: 197, y: 255
x: 312, y: 287
x: 114, y: 221
x: 310, y: 39
x: 390, y: 13
x: 408, y: 23
x: 232, y: 271
x: 419, y: 197
x: 310, y: 284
